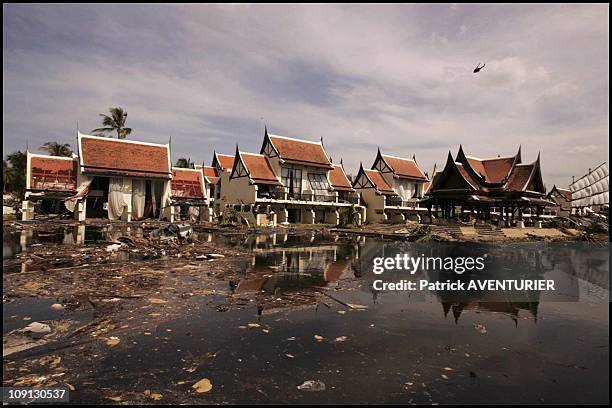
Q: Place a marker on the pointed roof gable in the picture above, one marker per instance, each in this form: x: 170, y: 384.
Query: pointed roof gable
x: 493, y: 171
x: 339, y: 180
x: 401, y: 167
x: 297, y: 151
x: 101, y: 155
x: 257, y: 168
x: 223, y: 161
x: 211, y: 174
x: 379, y: 181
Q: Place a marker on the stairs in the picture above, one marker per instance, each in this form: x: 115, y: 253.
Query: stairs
x: 488, y: 230
x: 452, y: 230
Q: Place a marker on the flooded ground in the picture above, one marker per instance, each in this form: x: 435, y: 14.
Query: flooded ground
x: 284, y: 308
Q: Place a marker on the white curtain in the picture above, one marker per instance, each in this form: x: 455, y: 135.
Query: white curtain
x: 116, y: 203
x: 194, y: 213
x: 138, y: 198
x: 82, y: 192
x: 153, y: 198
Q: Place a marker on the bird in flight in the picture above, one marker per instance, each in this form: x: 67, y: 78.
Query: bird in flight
x: 478, y: 68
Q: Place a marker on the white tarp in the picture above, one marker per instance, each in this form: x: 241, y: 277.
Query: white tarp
x: 138, y: 198
x: 592, y: 189
x: 116, y: 202
x: 82, y: 192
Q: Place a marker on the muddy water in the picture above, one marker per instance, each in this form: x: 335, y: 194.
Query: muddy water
x: 400, y: 349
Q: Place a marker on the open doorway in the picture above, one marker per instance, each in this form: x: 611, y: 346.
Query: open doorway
x: 97, y: 196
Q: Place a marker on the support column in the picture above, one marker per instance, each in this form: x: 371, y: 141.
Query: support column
x: 282, y: 215
x: 80, y: 209
x: 308, y: 216
x: 27, y: 210
x: 332, y: 217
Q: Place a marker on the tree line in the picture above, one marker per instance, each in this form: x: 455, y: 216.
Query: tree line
x: 14, y: 165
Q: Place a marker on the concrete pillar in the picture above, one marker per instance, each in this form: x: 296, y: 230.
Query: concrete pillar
x: 80, y: 209
x: 27, y: 210
x: 538, y: 224
x: 308, y: 216
x: 398, y: 218
x: 359, y: 218
x: 332, y: 217
x: 282, y: 215
x: 520, y: 224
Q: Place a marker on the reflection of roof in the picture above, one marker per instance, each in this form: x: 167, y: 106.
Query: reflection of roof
x: 52, y: 173
x: 187, y: 183
x: 259, y: 168
x: 300, y: 151
x: 100, y: 155
x: 379, y: 181
x: 334, y: 270
x: 404, y: 168
x: 338, y: 179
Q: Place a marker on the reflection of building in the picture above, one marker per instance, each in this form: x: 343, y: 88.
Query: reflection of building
x: 511, y: 309
x: 502, y: 188
x: 289, y: 181
x: 391, y: 189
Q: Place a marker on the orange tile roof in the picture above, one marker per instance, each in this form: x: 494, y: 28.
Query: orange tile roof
x: 404, y: 168
x: 186, y: 183
x: 379, y: 181
x: 519, y: 177
x: 493, y: 170
x: 226, y: 161
x: 259, y: 168
x: 52, y: 173
x: 211, y: 174
x: 300, y: 151
x: 338, y: 179
x: 120, y: 157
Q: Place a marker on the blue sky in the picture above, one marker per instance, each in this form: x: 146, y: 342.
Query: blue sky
x: 360, y: 76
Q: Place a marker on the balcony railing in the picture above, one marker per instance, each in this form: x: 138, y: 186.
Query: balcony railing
x: 271, y: 194
x: 309, y: 196
x: 348, y: 198
x: 393, y: 201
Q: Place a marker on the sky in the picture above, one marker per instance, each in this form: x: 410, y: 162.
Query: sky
x: 398, y: 77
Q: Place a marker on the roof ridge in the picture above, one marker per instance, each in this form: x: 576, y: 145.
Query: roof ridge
x: 108, y: 139
x: 297, y: 140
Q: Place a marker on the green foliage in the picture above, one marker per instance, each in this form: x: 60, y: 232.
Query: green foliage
x: 57, y: 149
x: 115, y: 122
x: 348, y: 216
x: 15, y: 173
x: 183, y: 163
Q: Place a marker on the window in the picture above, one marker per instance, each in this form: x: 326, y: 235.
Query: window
x: 292, y: 179
x: 318, y: 182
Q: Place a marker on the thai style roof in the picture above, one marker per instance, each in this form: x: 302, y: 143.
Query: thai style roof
x: 223, y: 161
x: 211, y: 174
x: 51, y: 173
x: 255, y: 166
x: 187, y: 183
x: 561, y: 197
x: 338, y: 179
x: 481, y: 178
x: 120, y: 157
x: 399, y: 166
x: 489, y: 171
x: 297, y: 151
x: 372, y: 179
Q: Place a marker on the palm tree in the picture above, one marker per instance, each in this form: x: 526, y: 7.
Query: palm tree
x: 114, y: 123
x: 57, y: 149
x: 183, y: 162
x: 15, y: 173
